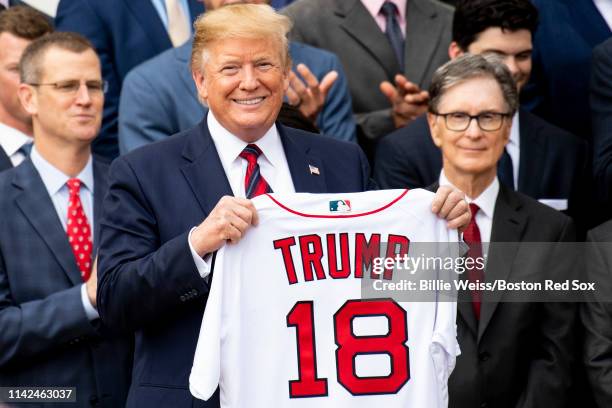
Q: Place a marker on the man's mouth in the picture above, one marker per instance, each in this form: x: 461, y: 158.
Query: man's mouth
x: 249, y: 101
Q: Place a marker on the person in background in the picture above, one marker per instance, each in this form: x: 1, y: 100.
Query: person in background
x: 126, y: 33
x: 19, y: 26
x: 389, y: 49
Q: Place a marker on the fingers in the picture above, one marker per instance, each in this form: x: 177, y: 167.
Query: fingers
x: 459, y: 217
x: 327, y: 82
x: 418, y: 98
x: 292, y: 97
x: 389, y: 91
x: 296, y: 84
x: 311, y: 81
x: 439, y: 199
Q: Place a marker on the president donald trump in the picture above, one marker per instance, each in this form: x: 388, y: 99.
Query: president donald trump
x: 172, y: 204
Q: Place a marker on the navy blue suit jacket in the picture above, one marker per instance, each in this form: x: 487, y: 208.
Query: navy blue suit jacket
x: 557, y: 90
x: 148, y: 281
x: 159, y: 97
x: 46, y: 339
x: 124, y: 33
x: 554, y: 164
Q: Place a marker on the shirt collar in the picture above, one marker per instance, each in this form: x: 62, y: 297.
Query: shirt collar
x: 485, y: 201
x: 54, y: 179
x: 12, y: 139
x: 374, y: 6
x: 514, y: 131
x: 230, y: 146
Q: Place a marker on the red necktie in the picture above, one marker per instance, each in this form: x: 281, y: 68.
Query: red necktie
x: 254, y: 183
x: 471, y: 236
x: 78, y: 230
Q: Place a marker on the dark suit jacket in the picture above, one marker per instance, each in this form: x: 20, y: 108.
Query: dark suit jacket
x: 520, y: 353
x: 596, y: 315
x: 346, y: 28
x: 601, y: 118
x: 554, y: 164
x: 148, y: 281
x: 46, y: 339
x: 5, y: 160
x: 124, y: 33
x: 562, y: 45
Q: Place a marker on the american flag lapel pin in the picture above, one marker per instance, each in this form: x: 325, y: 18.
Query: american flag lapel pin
x: 314, y: 170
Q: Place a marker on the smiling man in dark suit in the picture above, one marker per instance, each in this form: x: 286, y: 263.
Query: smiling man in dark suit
x: 541, y: 160
x: 51, y: 334
x: 125, y: 34
x: 172, y: 204
x: 513, y: 354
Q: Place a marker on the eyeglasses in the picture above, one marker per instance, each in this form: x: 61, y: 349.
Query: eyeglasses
x: 72, y: 86
x: 460, y: 121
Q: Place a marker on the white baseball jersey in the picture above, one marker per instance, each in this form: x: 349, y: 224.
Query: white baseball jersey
x: 285, y: 324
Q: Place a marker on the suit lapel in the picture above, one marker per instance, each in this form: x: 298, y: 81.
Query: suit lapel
x: 532, y: 159
x: 100, y: 172
x: 360, y: 25
x: 508, y: 226
x: 302, y: 163
x: 5, y: 161
x: 423, y: 32
x: 204, y: 171
x: 588, y: 22
x: 150, y: 22
x: 37, y: 207
x: 183, y: 55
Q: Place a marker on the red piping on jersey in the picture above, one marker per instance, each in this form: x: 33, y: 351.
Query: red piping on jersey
x: 338, y: 216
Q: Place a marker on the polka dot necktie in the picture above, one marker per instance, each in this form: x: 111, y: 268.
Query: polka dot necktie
x: 254, y: 183
x: 78, y: 230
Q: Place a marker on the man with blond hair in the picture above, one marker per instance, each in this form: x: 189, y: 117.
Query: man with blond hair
x: 172, y: 204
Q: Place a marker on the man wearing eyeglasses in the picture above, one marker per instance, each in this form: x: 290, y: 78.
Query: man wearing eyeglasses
x: 51, y: 334
x: 540, y: 160
x: 512, y: 354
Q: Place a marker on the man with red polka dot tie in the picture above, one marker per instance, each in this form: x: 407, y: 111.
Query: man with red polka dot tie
x: 51, y: 333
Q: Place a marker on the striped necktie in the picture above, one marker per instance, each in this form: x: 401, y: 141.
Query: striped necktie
x: 254, y: 183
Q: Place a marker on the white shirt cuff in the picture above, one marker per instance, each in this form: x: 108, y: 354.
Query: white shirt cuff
x: 203, y: 265
x: 90, y: 311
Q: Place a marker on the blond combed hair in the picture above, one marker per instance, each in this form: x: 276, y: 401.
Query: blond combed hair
x: 248, y: 21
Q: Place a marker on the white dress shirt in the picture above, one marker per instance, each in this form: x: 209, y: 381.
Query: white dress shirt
x: 486, y: 202
x: 11, y: 141
x: 605, y: 9
x: 55, y: 183
x: 514, y: 148
x: 272, y: 165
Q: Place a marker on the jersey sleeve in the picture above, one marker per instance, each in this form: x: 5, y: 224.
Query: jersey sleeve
x: 206, y: 369
x: 444, y: 347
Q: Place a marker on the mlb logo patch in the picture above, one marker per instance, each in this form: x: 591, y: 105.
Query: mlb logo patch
x: 340, y: 206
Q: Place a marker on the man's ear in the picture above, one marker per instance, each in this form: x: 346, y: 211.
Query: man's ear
x: 454, y: 50
x: 28, y: 98
x: 434, y: 129
x: 200, y: 83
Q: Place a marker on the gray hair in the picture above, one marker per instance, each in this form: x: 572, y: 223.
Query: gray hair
x: 470, y: 66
